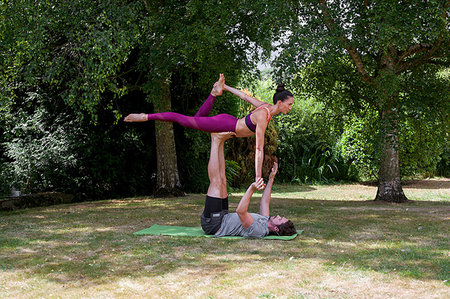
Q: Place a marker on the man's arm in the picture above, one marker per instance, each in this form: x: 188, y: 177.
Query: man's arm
x: 242, y: 209
x: 264, y: 207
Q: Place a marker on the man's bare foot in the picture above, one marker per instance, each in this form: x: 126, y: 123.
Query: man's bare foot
x: 135, y: 117
x: 223, y: 135
x: 218, y: 86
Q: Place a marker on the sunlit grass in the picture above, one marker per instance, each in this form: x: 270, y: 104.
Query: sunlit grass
x: 351, y: 247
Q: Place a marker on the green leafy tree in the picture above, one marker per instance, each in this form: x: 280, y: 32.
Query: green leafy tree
x: 349, y: 116
x: 192, y: 41
x: 385, y: 41
x: 69, y: 54
x: 89, y: 54
x: 424, y: 123
x: 75, y: 48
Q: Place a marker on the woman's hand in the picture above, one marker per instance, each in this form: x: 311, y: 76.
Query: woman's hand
x: 258, y: 184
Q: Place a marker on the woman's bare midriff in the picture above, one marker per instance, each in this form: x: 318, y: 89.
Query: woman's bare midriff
x: 242, y: 130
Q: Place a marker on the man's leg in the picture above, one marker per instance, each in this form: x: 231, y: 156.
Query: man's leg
x: 216, y: 166
x: 216, y: 204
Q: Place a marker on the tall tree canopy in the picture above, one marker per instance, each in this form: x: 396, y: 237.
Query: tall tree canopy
x: 74, y: 48
x: 193, y: 37
x: 87, y: 55
x: 385, y: 41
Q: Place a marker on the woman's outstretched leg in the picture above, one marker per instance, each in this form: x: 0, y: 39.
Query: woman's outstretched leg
x: 217, y: 90
x: 217, y: 123
x: 204, y: 110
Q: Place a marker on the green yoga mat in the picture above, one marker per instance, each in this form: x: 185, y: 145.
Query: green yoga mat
x: 183, y: 231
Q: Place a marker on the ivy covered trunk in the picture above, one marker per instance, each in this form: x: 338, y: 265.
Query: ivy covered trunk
x: 168, y: 181
x: 389, y: 181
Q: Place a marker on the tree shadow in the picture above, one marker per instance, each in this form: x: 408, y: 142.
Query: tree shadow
x: 427, y: 184
x: 287, y: 188
x: 417, y: 184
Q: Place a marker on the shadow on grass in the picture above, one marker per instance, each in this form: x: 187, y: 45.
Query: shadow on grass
x: 417, y: 184
x: 283, y: 188
x: 427, y: 184
x: 289, y: 188
x: 94, y: 242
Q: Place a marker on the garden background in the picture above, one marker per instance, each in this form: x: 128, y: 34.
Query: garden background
x: 370, y: 121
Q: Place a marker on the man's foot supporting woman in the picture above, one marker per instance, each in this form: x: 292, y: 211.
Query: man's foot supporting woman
x: 222, y: 136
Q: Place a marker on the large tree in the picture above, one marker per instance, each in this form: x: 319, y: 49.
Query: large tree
x: 194, y: 39
x: 385, y: 40
x: 89, y: 54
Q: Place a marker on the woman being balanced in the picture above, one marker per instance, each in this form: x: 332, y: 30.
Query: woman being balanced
x: 254, y: 123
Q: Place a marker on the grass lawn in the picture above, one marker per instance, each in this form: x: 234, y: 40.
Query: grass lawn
x: 351, y: 247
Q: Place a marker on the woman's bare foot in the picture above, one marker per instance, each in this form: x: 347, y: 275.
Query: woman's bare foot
x: 223, y: 135
x: 136, y: 117
x: 218, y: 86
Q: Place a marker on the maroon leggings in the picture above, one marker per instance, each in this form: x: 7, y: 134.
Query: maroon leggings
x: 201, y: 121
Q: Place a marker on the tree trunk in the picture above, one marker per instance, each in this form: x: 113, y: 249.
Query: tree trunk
x: 389, y: 182
x: 168, y: 181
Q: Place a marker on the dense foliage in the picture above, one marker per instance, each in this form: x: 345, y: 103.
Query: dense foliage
x: 47, y: 149
x: 350, y: 119
x: 97, y: 61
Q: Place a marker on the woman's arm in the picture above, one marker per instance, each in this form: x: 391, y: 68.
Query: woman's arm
x: 261, y: 125
x: 244, y: 96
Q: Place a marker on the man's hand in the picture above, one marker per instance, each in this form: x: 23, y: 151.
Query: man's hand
x: 274, y: 170
x: 258, y: 184
x: 242, y: 208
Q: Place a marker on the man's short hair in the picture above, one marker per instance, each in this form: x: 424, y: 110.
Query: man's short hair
x: 285, y: 229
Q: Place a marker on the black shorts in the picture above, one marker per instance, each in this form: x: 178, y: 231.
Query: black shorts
x: 211, y: 224
x: 212, y: 215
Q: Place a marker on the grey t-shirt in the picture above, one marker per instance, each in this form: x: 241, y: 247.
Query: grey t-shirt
x: 231, y: 226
